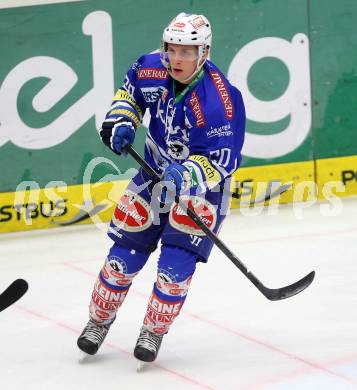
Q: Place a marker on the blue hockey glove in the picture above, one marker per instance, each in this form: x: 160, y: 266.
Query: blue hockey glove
x: 117, y: 135
x: 177, y: 179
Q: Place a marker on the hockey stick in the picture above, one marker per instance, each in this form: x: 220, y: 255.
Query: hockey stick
x: 274, y: 294
x: 269, y: 195
x: 13, y: 293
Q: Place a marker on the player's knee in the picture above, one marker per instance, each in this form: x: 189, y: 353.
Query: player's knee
x: 122, y: 265
x: 175, y: 270
x: 171, y: 288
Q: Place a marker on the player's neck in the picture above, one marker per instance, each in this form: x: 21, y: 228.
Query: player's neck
x: 180, y: 89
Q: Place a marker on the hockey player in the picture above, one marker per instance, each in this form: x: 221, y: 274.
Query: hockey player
x: 194, y: 143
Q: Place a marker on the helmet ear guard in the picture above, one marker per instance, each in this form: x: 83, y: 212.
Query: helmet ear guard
x: 163, y: 54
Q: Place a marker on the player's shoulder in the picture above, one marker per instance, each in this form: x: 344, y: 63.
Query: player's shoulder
x: 215, y: 76
x: 149, y: 67
x: 219, y: 99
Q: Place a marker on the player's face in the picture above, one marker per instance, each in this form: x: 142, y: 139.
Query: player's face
x: 183, y: 61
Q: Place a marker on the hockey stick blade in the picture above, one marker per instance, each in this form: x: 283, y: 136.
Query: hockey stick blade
x: 13, y: 293
x: 276, y: 294
x: 271, y: 294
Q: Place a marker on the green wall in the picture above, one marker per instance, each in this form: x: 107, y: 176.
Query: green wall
x: 333, y: 32
x: 55, y: 31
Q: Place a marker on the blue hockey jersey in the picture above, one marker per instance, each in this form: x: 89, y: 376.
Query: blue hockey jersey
x: 201, y: 126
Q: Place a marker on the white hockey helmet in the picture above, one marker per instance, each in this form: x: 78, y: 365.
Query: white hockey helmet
x: 187, y: 29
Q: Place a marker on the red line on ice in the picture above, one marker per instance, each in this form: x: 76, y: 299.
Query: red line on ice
x: 63, y: 325
x: 315, y: 366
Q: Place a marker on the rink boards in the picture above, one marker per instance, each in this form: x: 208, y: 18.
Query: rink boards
x: 267, y: 185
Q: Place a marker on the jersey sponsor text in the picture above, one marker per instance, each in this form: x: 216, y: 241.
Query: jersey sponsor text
x: 152, y: 73
x: 222, y: 90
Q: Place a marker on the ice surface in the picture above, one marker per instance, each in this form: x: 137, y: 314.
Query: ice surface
x: 228, y: 335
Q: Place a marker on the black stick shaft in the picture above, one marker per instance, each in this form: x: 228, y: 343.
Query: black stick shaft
x: 150, y: 171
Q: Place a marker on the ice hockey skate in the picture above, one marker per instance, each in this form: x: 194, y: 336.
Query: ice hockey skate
x: 91, y: 339
x: 147, y: 347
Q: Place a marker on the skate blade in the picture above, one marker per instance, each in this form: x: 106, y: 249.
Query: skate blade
x: 141, y: 365
x: 82, y: 357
